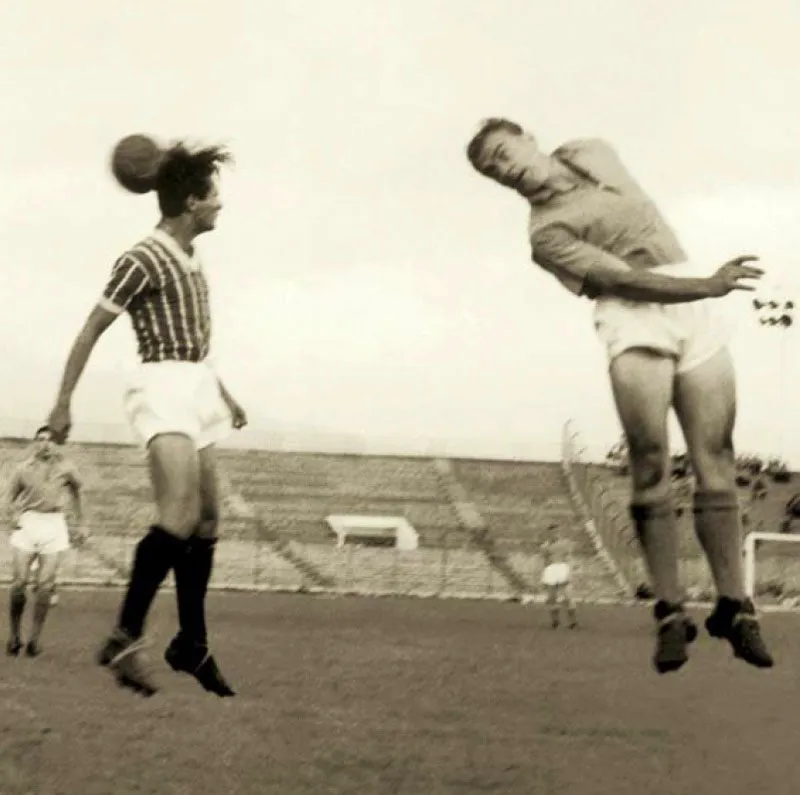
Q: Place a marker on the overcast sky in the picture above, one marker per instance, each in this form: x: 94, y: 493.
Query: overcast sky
x: 364, y: 279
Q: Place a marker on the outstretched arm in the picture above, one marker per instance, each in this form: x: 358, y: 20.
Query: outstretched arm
x: 588, y: 270
x: 98, y: 321
x: 128, y: 279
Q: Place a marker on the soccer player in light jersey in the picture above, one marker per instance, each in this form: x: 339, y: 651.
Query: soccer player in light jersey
x: 36, y: 504
x: 594, y: 229
x: 178, y: 408
x: 556, y: 578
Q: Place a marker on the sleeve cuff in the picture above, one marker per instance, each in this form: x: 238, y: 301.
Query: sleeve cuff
x: 110, y: 306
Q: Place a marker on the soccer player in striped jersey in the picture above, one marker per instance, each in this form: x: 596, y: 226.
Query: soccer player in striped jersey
x: 36, y: 507
x: 178, y: 408
x: 593, y: 227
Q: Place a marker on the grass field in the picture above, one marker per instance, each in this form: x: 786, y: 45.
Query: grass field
x: 400, y: 697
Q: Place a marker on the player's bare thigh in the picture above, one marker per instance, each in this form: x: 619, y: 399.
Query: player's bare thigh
x: 21, y: 562
x: 209, y: 493
x: 175, y: 474
x: 705, y: 403
x: 642, y: 383
x: 49, y: 564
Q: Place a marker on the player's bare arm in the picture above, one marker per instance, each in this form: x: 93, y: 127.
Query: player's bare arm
x: 76, y: 494
x: 98, y: 321
x: 10, y: 495
x: 238, y: 414
x: 79, y: 533
x: 559, y: 250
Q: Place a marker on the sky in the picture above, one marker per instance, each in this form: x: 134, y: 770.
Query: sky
x: 366, y: 283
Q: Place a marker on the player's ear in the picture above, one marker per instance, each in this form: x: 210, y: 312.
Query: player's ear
x: 191, y: 203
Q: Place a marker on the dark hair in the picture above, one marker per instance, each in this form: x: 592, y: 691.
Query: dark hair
x: 184, y: 173
x: 43, y: 429
x: 488, y: 126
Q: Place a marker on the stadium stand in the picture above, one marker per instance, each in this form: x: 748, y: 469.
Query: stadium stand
x: 276, y: 534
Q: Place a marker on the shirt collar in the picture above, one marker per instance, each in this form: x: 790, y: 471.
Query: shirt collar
x: 191, y: 263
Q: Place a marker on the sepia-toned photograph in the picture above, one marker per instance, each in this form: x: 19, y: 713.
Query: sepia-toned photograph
x: 399, y: 398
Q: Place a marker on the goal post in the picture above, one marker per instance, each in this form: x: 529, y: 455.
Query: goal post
x: 752, y: 542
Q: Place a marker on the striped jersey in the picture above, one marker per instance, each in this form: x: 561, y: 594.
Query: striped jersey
x: 39, y: 484
x: 165, y: 292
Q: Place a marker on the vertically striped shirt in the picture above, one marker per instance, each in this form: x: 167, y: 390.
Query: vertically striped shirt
x: 164, y: 290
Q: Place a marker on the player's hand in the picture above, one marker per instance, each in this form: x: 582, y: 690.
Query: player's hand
x: 79, y: 535
x: 60, y: 423
x: 238, y: 415
x: 735, y: 275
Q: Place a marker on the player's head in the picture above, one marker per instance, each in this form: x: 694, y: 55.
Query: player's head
x: 43, y: 444
x: 503, y: 151
x: 188, y: 187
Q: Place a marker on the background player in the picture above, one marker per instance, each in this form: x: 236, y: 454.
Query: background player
x: 556, y: 578
x: 595, y: 229
x: 178, y: 408
x: 36, y: 506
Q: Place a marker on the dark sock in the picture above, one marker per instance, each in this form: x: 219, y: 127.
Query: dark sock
x: 41, y: 607
x: 192, y: 575
x: 657, y: 531
x: 16, y: 609
x: 156, y: 554
x: 718, y: 529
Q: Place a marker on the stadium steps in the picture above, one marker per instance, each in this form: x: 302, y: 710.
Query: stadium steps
x: 284, y: 549
x: 473, y: 522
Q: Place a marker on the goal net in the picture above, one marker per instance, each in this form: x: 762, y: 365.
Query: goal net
x: 772, y: 564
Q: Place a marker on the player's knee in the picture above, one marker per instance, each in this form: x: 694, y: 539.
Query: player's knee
x: 18, y: 587
x: 45, y: 587
x: 209, y: 521
x: 714, y: 463
x: 648, y: 466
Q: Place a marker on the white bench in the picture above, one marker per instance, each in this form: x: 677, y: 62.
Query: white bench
x: 374, y: 528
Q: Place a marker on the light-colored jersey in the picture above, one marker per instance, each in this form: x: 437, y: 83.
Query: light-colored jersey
x: 40, y: 485
x: 558, y: 551
x: 608, y: 218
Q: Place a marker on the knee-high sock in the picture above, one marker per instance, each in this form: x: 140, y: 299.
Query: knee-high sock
x: 156, y: 554
x: 718, y: 528
x: 41, y: 607
x: 192, y: 575
x: 16, y: 609
x: 657, y: 531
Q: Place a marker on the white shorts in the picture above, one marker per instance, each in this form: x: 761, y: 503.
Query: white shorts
x: 555, y: 574
x: 41, y: 533
x: 177, y: 397
x: 690, y: 333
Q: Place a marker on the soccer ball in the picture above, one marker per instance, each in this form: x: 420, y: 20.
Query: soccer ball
x: 135, y: 161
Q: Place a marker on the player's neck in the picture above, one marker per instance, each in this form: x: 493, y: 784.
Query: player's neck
x: 559, y: 182
x: 181, y: 230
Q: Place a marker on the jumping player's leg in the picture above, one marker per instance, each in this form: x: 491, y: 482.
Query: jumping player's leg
x: 705, y: 402
x: 195, y: 569
x: 174, y: 472
x: 49, y: 564
x: 642, y: 383
x: 188, y: 651
x: 21, y: 561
